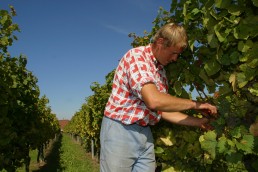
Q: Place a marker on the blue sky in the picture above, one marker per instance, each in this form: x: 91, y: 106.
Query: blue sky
x: 72, y: 43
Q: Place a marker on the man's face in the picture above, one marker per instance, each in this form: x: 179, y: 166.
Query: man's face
x: 166, y: 55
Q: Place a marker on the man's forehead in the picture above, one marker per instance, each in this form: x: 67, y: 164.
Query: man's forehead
x: 176, y: 49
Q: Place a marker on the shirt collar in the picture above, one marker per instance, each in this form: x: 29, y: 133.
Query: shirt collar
x: 152, y: 57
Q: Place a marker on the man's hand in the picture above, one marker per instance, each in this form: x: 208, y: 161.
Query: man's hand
x: 206, y: 126
x: 207, y: 109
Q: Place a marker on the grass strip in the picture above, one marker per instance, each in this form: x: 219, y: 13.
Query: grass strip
x: 65, y: 155
x: 74, y: 158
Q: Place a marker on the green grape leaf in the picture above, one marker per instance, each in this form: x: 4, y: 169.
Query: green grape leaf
x: 234, y: 158
x: 224, y: 59
x: 159, y: 150
x: 234, y: 57
x: 166, y: 141
x: 254, y: 90
x: 232, y: 80
x: 185, y: 10
x: 255, y: 2
x: 253, y: 63
x: 243, y: 67
x: 190, y: 136
x: 4, y: 41
x: 212, y: 67
x: 246, y: 144
x: 219, y: 15
x: 234, y: 10
x: 241, y: 32
x: 221, y: 35
x: 243, y: 58
x: 241, y: 80
x: 191, y: 44
x: 204, y: 51
x: 212, y: 40
x: 250, y: 55
x: 195, y: 11
x: 206, y: 79
x: 222, y: 141
x: 236, y: 132
x: 222, y: 3
x: 247, y: 75
x: 220, y: 121
x: 231, y: 143
x: 208, y: 143
x: 170, y: 169
x: 244, y: 47
x: 189, y: 77
x: 209, y: 22
x: 178, y: 88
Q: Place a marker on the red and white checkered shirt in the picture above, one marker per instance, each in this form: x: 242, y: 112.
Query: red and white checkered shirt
x: 136, y: 68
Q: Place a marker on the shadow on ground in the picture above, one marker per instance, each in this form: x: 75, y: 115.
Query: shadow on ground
x: 52, y: 159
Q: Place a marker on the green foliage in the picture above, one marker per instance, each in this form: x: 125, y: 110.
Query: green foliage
x: 25, y: 120
x: 7, y: 29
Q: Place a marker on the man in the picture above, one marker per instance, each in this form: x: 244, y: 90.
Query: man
x: 139, y: 98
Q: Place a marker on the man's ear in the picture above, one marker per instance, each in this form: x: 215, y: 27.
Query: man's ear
x: 160, y: 41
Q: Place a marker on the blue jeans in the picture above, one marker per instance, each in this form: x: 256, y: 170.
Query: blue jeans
x: 126, y: 148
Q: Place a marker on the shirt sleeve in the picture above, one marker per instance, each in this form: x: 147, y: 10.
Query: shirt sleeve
x: 139, y: 73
